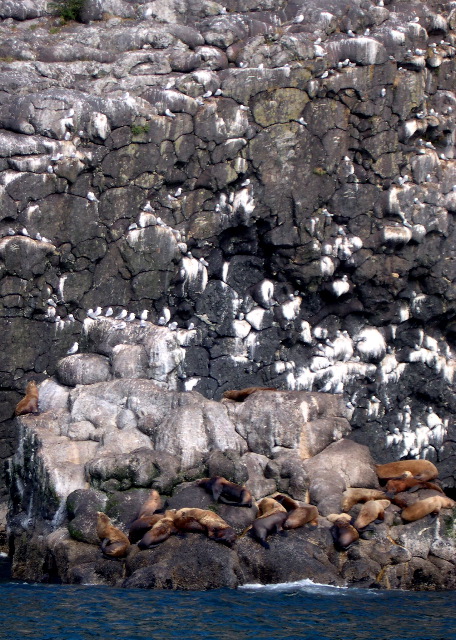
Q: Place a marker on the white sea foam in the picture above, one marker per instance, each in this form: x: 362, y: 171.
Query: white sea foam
x: 301, y: 585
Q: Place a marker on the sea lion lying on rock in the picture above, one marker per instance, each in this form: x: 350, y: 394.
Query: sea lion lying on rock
x: 419, y: 469
x: 241, y: 394
x: 195, y: 520
x: 267, y: 506
x: 298, y: 514
x: 161, y: 530
x: 398, y: 486
x: 227, y: 492
x: 114, y: 543
x: 371, y: 511
x: 353, y: 495
x: 271, y: 522
x: 146, y: 518
x: 141, y: 525
x: 424, y: 507
x: 29, y: 403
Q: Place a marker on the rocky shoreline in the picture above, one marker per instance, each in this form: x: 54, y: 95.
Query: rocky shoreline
x: 61, y: 476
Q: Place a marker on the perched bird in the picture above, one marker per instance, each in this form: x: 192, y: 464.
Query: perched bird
x: 91, y: 196
x: 73, y: 349
x: 170, y: 114
x: 108, y: 312
x: 130, y: 317
x: 122, y: 314
x: 120, y: 325
x: 143, y: 318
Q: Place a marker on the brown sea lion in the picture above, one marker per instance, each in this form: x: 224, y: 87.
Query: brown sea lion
x: 114, y: 543
x: 266, y: 506
x: 420, y: 469
x: 227, y: 492
x: 353, y: 495
x: 241, y: 394
x: 160, y: 532
x: 338, y: 516
x: 424, y: 507
x: 29, y: 403
x: 300, y: 516
x: 146, y: 517
x: 141, y: 525
x: 286, y: 501
x: 404, y: 484
x: 193, y: 520
x: 344, y: 534
x: 371, y: 511
x: 152, y: 504
x: 269, y: 523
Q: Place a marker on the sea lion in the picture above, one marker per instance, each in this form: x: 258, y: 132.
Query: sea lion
x: 424, y: 507
x: 160, y: 532
x: 353, y: 495
x: 269, y: 523
x: 344, y: 534
x: 286, y: 501
x: 29, y: 403
x: 152, y: 504
x: 420, y: 469
x: 300, y: 516
x: 266, y: 506
x: 338, y: 516
x: 404, y: 484
x: 227, y: 492
x: 141, y: 525
x: 114, y: 543
x: 370, y: 511
x: 146, y: 517
x: 193, y: 520
x: 241, y: 394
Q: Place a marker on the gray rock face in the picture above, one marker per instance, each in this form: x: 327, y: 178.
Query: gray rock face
x: 82, y: 368
x: 341, y: 465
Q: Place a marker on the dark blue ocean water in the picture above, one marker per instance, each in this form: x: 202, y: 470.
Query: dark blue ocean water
x: 293, y: 611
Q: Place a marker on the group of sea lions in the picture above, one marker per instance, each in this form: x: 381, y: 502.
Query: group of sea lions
x: 154, y: 524
x: 403, y: 479
x: 278, y: 513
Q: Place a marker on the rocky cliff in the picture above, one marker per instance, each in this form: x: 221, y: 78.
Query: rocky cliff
x: 273, y: 182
